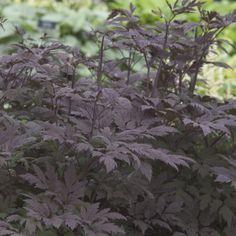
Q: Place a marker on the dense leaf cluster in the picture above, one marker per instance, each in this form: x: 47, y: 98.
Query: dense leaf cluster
x: 221, y: 83
x: 127, y: 151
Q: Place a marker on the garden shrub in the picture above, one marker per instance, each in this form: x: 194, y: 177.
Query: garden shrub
x: 220, y: 83
x: 130, y: 150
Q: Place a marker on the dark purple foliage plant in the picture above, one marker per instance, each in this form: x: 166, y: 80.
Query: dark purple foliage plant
x: 130, y: 150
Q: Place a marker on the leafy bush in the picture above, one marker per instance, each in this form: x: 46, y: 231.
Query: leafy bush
x: 220, y: 83
x: 75, y: 18
x: 123, y: 151
x: 144, y: 8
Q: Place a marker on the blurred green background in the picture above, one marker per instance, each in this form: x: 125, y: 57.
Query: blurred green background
x: 70, y: 21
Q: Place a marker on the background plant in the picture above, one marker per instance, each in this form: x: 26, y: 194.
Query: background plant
x: 73, y: 21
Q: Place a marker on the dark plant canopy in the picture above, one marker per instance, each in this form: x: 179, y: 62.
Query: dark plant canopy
x: 130, y: 150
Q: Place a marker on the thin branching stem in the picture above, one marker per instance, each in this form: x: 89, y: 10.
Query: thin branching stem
x: 129, y: 66
x: 72, y: 86
x: 158, y: 73
x: 94, y: 115
x: 100, y: 64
